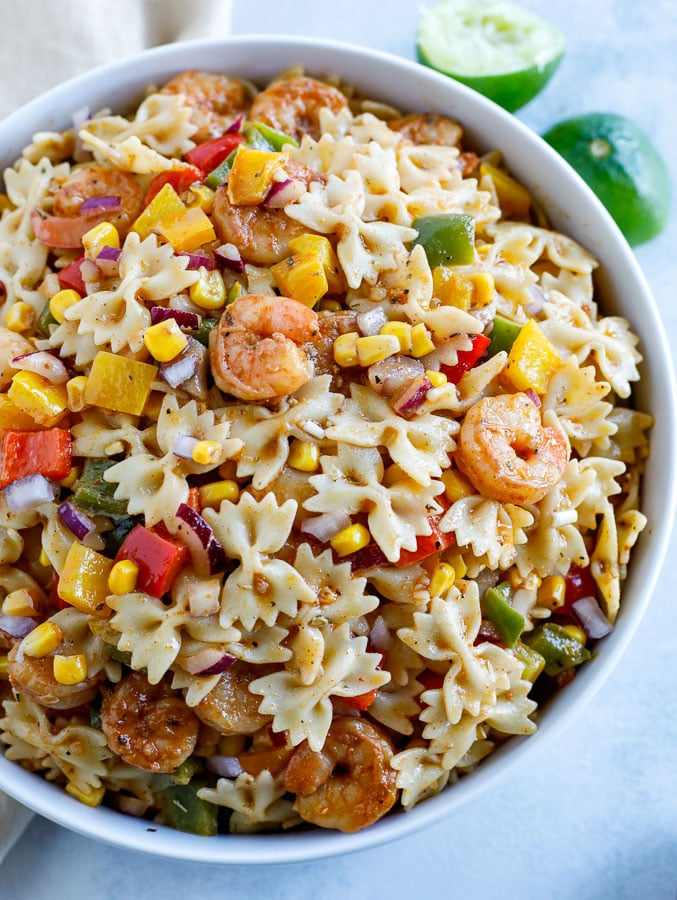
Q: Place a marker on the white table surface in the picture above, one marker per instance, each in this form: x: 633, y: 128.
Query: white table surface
x: 594, y: 814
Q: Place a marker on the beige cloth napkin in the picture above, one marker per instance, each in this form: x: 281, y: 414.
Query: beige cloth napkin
x: 44, y: 42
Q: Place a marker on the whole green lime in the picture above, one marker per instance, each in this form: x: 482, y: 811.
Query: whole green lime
x: 495, y: 47
x: 621, y: 165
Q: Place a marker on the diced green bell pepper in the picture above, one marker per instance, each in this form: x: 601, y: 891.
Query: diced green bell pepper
x: 558, y: 648
x: 114, y: 538
x: 202, y: 332
x: 45, y: 320
x: 503, y: 335
x: 263, y: 137
x: 93, y: 495
x: 220, y: 174
x: 448, y: 238
x: 121, y: 656
x: 180, y: 804
x: 533, y: 661
x: 496, y: 605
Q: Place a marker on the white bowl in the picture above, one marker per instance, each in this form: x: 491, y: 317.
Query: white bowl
x: 574, y: 210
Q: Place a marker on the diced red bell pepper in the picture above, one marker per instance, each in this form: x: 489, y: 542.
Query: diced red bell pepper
x: 25, y: 453
x: 579, y: 583
x: 466, y: 358
x: 71, y: 277
x: 159, y: 558
x: 209, y: 155
x: 430, y: 680
x: 362, y: 701
x: 179, y: 179
x: 426, y: 545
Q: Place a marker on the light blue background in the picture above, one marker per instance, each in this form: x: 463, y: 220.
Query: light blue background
x: 594, y: 813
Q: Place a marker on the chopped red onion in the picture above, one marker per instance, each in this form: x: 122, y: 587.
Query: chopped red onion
x: 593, y: 621
x: 42, y: 363
x: 199, y: 261
x: 390, y: 375
x: 282, y: 193
x: 108, y: 261
x: 533, y: 396
x: 235, y: 125
x: 324, y: 527
x: 224, y: 766
x: 89, y: 271
x: 538, y: 300
x: 206, y: 550
x: 209, y: 661
x: 379, y: 636
x: 204, y: 597
x: 410, y: 399
x: 180, y: 369
x: 17, y: 626
x: 27, y: 492
x: 229, y: 257
x: 100, y: 204
x: 77, y: 522
x: 371, y: 321
x: 182, y: 317
x: 367, y: 558
x: 183, y: 446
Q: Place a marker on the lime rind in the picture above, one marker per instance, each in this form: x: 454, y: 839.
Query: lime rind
x: 504, y: 52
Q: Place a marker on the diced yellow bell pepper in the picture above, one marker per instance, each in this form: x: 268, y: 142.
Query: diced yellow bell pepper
x: 164, y: 205
x: 84, y: 581
x: 513, y: 198
x: 302, y: 278
x: 532, y: 360
x: 102, y: 235
x: 451, y: 288
x: 203, y: 196
x: 119, y: 384
x: 456, y: 485
x: 91, y: 798
x: 13, y: 418
x: 187, y: 232
x: 34, y: 395
x: 251, y: 175
x: 321, y: 246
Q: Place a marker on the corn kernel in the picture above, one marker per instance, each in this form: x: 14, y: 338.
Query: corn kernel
x: 402, y: 331
x: 304, y: 456
x: 165, y: 340
x: 576, y: 633
x: 421, y: 342
x: 443, y: 578
x: 43, y: 559
x: 374, y: 348
x: 326, y: 304
x: 456, y: 485
x: 70, y: 669
x: 456, y: 561
x: 203, y: 196
x: 42, y: 640
x: 75, y: 391
x: 482, y: 288
x: 345, y: 349
x: 22, y: 602
x: 437, y: 379
x: 552, y: 592
x: 20, y: 317
x: 71, y: 478
x: 234, y: 291
x: 351, y: 539
x: 530, y: 582
x: 45, y: 402
x: 215, y: 493
x: 451, y: 288
x: 4, y: 666
x: 122, y: 577
x: 103, y: 235
x: 61, y: 301
x: 89, y: 798
x: 207, y: 453
x: 209, y: 291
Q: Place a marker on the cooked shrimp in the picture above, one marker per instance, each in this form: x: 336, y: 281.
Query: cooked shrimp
x: 67, y: 226
x: 256, y: 349
x: 215, y: 100
x: 34, y: 678
x: 148, y: 725
x: 230, y: 708
x: 293, y: 106
x: 261, y: 234
x: 507, y: 452
x: 429, y: 128
x: 349, y: 784
x: 11, y: 345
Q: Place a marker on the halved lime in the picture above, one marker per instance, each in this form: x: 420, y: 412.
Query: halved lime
x: 501, y: 50
x: 621, y: 165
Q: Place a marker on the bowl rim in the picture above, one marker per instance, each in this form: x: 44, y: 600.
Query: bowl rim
x: 133, y: 834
